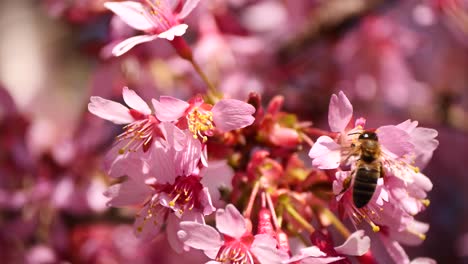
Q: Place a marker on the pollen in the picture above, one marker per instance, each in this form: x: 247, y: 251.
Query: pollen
x: 184, y: 193
x: 200, y: 122
x: 375, y: 227
x: 426, y: 202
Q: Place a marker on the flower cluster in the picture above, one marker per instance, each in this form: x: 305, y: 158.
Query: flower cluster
x: 214, y: 152
x: 162, y: 154
x: 399, y: 193
x: 162, y: 165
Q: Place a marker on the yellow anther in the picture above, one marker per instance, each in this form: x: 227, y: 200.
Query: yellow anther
x: 172, y: 203
x: 199, y: 122
x: 375, y: 227
x: 426, y: 202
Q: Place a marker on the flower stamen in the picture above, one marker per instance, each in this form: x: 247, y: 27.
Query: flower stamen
x: 200, y: 122
x: 139, y: 133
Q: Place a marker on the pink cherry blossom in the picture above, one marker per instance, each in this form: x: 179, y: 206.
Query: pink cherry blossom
x: 402, y: 145
x: 401, y: 193
x: 236, y: 245
x: 168, y: 186
x: 157, y: 19
x: 202, y: 118
x: 141, y: 126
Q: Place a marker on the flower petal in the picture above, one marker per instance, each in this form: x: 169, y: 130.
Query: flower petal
x: 218, y: 174
x: 201, y: 237
x: 312, y: 251
x: 284, y: 136
x: 408, y: 125
x: 175, y: 31
x: 109, y: 110
x: 425, y: 144
x: 356, y: 245
x: 340, y: 112
x: 129, y: 163
x: 423, y: 261
x: 413, y: 235
x: 165, y: 171
x: 394, y: 249
x: 230, y: 114
x: 189, y: 5
x: 175, y: 137
x: 206, y: 203
x: 423, y: 140
x: 129, y: 43
x: 394, y: 139
x: 130, y: 192
x: 169, y: 109
x: 131, y: 13
x: 420, y: 186
x: 323, y: 260
x: 230, y: 222
x: 173, y: 227
x: 325, y: 153
x: 149, y: 221
x: 187, y: 159
x: 264, y: 249
x: 133, y: 100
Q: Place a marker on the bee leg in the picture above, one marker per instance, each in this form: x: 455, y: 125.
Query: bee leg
x: 346, y: 184
x: 382, y: 172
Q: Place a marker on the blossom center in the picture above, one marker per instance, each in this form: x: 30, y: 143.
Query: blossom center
x: 200, y: 123
x: 139, y: 134
x: 160, y: 15
x: 184, y: 193
x: 234, y: 253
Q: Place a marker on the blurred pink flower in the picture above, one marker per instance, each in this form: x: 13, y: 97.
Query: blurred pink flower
x: 238, y: 245
x: 158, y: 19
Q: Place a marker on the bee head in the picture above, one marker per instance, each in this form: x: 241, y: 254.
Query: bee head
x: 368, y: 135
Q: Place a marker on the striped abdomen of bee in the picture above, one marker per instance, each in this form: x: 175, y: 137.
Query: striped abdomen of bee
x: 365, y: 181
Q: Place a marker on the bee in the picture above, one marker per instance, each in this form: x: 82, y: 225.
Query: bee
x: 368, y: 168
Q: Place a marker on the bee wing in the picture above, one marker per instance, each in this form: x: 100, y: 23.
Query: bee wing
x: 349, y: 155
x: 398, y: 167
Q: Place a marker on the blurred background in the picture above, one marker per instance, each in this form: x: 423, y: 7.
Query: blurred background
x: 395, y: 60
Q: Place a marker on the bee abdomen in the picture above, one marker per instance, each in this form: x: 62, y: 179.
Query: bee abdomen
x: 364, y: 185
